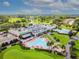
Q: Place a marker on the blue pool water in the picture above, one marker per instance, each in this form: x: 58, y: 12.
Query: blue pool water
x: 39, y: 42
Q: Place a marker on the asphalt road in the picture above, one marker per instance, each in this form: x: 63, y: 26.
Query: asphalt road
x: 68, y: 47
x: 68, y: 51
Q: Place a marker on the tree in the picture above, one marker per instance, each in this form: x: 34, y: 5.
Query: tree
x: 17, y: 25
x: 76, y: 25
x: 72, y: 43
x: 73, y: 54
x: 20, y: 36
x: 42, y: 18
x: 4, y: 19
x: 57, y: 22
x: 70, y: 33
x: 50, y: 45
x: 63, y: 46
x: 57, y: 40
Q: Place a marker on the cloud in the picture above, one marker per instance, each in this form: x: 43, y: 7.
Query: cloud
x: 33, y: 7
x: 6, y: 3
x: 56, y: 6
x: 75, y: 8
x: 57, y: 12
x: 53, y: 3
x: 38, y: 3
x: 33, y: 11
x: 74, y: 1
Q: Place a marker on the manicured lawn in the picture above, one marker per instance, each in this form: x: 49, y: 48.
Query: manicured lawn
x: 16, y: 52
x: 77, y: 44
x: 63, y: 38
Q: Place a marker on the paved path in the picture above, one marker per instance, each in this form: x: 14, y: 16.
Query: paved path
x: 68, y: 51
x: 50, y: 36
x: 75, y: 38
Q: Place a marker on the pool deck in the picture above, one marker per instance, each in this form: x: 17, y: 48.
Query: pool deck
x: 27, y: 43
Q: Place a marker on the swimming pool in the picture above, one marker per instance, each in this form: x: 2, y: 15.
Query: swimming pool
x: 39, y: 43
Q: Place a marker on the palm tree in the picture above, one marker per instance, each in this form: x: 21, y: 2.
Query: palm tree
x: 20, y: 36
x: 73, y: 54
x: 50, y: 45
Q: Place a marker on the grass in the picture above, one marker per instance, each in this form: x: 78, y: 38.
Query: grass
x: 77, y: 52
x: 77, y: 44
x: 47, y: 36
x: 63, y: 38
x: 78, y: 34
x: 16, y: 52
x: 13, y: 20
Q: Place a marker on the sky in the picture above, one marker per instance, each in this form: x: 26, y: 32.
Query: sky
x: 39, y: 7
